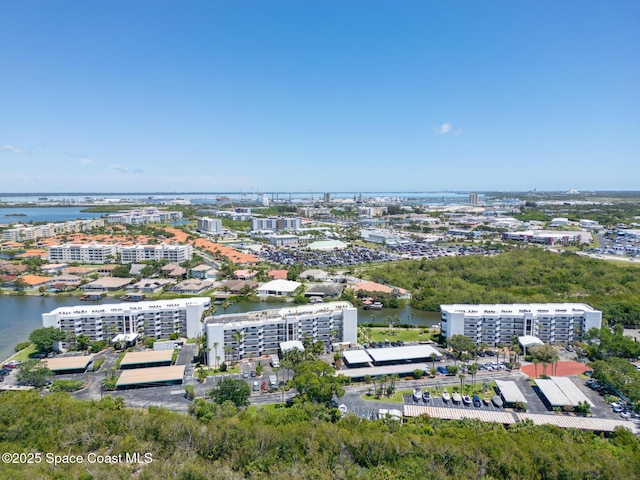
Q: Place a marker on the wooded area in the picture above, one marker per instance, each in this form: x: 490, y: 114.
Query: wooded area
x: 305, y: 440
x: 519, y: 276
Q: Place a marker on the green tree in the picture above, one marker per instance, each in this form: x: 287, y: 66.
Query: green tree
x: 231, y: 389
x: 82, y: 341
x: 44, y: 338
x: 34, y: 372
x: 121, y: 271
x: 315, y: 381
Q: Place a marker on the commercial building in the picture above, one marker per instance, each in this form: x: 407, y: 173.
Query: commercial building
x: 549, y: 237
x: 157, y: 319
x: 493, y: 324
x: 210, y: 225
x: 258, y: 333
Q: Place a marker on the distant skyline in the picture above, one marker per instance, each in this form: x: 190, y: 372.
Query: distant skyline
x: 192, y: 96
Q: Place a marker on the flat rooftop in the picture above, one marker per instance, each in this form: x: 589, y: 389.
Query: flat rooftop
x: 518, y: 308
x: 582, y: 423
x: 151, y: 375
x: 279, y: 314
x: 552, y: 392
x: 140, y: 358
x: 356, y: 356
x: 75, y: 362
x: 510, y: 392
x: 562, y: 421
x: 115, y: 308
x: 408, y: 352
x: 571, y: 390
x: 458, y: 413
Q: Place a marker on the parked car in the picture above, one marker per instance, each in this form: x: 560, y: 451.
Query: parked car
x: 256, y: 386
x: 442, y: 370
x: 476, y: 401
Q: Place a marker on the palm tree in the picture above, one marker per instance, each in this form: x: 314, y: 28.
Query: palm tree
x: 238, y: 336
x: 461, y: 377
x: 227, y: 352
x: 433, y: 357
x: 473, y: 370
x: 215, y: 347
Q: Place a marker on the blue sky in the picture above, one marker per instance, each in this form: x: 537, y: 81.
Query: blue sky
x: 121, y: 96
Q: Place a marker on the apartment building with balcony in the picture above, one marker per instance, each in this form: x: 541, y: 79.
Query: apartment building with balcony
x: 138, y: 253
x: 82, y: 253
x: 155, y: 319
x: 553, y: 323
x: 277, y: 224
x: 258, y: 333
x: 210, y: 225
x: 20, y: 233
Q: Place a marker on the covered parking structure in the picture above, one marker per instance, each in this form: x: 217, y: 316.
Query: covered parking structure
x: 356, y: 358
x: 510, y: 393
x: 151, y: 377
x: 561, y: 392
x: 68, y: 364
x: 405, y: 354
x: 155, y: 358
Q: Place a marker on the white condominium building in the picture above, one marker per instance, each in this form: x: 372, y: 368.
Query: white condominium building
x: 144, y: 215
x: 254, y: 334
x: 23, y: 232
x: 157, y: 319
x: 493, y: 324
x: 82, y: 253
x: 139, y: 253
x: 209, y: 225
x: 277, y: 224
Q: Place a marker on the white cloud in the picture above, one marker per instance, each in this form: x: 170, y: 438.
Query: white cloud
x: 445, y: 128
x: 125, y: 170
x: 84, y: 159
x: 15, y: 150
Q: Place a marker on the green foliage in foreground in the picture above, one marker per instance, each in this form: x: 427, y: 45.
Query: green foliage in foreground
x: 304, y: 441
x: 66, y: 385
x: 528, y: 275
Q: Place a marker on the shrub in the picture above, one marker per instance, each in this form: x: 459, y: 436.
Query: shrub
x: 223, y: 367
x: 190, y: 392
x: 97, y: 364
x: 66, y: 385
x: 22, y: 346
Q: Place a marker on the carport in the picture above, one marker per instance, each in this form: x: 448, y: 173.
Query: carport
x: 406, y: 354
x: 69, y: 364
x: 510, y: 393
x: 155, y: 358
x: 356, y: 358
x: 151, y: 377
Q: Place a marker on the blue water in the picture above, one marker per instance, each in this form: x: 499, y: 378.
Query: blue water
x: 19, y: 316
x: 47, y: 214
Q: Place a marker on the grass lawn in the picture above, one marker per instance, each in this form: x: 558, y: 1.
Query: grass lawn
x: 211, y: 372
x: 380, y: 334
x: 272, y: 407
x: 23, y: 355
x: 396, y: 397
